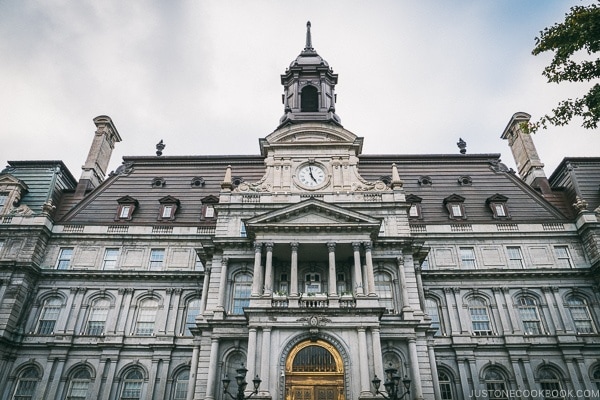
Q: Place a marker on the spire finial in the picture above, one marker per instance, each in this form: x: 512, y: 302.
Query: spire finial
x: 308, y: 37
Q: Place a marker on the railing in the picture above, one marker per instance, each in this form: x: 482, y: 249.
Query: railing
x: 73, y: 228
x: 553, y: 227
x: 507, y: 227
x: 347, y: 302
x: 313, y: 302
x: 162, y: 229
x: 279, y: 303
x: 461, y: 228
x: 118, y: 229
x: 205, y: 230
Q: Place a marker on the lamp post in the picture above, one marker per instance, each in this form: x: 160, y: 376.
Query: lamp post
x: 240, y: 379
x: 392, y: 384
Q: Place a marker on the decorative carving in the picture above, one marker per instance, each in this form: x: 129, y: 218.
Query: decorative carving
x: 22, y: 210
x: 580, y: 204
x: 124, y: 169
x: 315, y: 320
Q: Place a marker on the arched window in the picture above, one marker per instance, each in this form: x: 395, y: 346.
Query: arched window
x: 309, y: 101
x: 495, y: 384
x: 181, y: 385
x: 97, y: 318
x: 79, y: 383
x: 242, y: 289
x: 132, y: 385
x: 480, y: 319
x: 446, y: 385
x: 530, y: 315
x: 433, y: 310
x: 550, y: 383
x: 580, y: 314
x: 146, y: 317
x: 191, y: 312
x: 383, y: 288
x: 49, y: 316
x: 596, y: 376
x: 26, y: 384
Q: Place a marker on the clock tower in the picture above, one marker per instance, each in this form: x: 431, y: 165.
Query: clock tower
x: 310, y: 152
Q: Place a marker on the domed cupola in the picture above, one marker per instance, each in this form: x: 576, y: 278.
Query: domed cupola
x: 309, y: 88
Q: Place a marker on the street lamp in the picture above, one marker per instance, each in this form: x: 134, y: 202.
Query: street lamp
x: 240, y: 379
x: 392, y: 384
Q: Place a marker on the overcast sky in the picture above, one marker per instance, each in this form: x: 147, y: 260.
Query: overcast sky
x: 204, y: 76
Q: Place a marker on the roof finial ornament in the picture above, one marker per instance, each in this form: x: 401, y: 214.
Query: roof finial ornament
x: 160, y: 146
x: 462, y: 145
x: 308, y: 46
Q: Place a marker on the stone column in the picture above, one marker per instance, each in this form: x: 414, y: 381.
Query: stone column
x: 513, y: 320
x: 370, y: 275
x: 517, y: 371
x: 403, y: 289
x: 204, y: 296
x: 212, y: 369
x: 126, y: 295
x: 358, y: 281
x: 566, y: 322
x: 420, y: 288
x: 433, y: 365
x: 264, y: 361
x: 294, y: 270
x: 222, y: 284
x: 57, y: 375
x: 463, y: 313
x: 377, y: 353
x: 364, y: 362
x: 464, y: 376
x: 193, y: 372
x: 251, y: 357
x: 269, y: 270
x: 257, y: 279
x: 497, y: 296
x: 452, y: 312
x: 416, y: 373
x: 547, y: 290
x: 332, y: 277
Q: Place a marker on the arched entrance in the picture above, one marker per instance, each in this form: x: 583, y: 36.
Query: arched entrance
x: 314, y: 371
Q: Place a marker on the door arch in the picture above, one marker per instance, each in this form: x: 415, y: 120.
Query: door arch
x: 314, y: 370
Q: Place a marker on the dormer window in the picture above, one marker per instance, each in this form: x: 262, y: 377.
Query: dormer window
x: 158, y: 182
x: 425, y: 180
x: 208, y: 209
x: 455, y: 206
x: 465, y: 180
x: 127, y: 206
x: 414, y: 211
x: 497, y: 203
x: 168, y: 208
x: 11, y: 191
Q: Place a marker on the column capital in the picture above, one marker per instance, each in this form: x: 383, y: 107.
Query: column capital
x: 225, y: 261
x: 368, y: 245
x: 269, y: 246
x: 257, y: 247
x: 331, y: 246
x: 400, y: 260
x: 294, y: 246
x: 356, y: 246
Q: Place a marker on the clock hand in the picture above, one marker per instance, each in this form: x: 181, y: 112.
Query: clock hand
x: 311, y: 175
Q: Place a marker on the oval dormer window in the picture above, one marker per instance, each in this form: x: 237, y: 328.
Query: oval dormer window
x: 310, y: 99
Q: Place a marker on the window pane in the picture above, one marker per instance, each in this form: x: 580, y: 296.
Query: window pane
x: 64, y: 258
x: 146, y: 318
x: 500, y: 210
x: 456, y: 210
x: 563, y: 257
x: 49, y: 316
x: 242, y: 289
x: 110, y: 258
x: 156, y: 259
x: 97, y: 318
x: 479, y: 316
x: 125, y: 210
x: 515, y: 257
x: 580, y: 315
x: 433, y: 312
x: 529, y: 314
x: 383, y: 288
x: 193, y: 309
x: 181, y: 386
x: 467, y: 257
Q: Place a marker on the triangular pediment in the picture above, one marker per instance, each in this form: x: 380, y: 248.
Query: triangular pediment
x: 313, y: 214
x: 9, y: 180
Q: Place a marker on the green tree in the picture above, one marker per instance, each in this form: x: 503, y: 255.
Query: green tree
x: 570, y: 41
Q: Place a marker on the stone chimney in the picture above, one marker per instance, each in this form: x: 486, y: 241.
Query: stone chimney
x: 94, y: 169
x: 529, y: 165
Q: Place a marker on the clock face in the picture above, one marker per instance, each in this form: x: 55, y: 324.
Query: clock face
x: 311, y: 175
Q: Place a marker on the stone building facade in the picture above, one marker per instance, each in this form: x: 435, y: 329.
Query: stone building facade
x: 314, y: 266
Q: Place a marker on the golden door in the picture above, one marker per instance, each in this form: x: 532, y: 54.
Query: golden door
x: 314, y: 371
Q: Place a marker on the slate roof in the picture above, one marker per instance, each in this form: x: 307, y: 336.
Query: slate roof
x: 487, y: 178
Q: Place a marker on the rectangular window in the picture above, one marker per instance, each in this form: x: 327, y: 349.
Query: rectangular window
x: 243, y: 230
x: 209, y: 212
x: 110, y: 258
x: 157, y: 257
x: 241, y: 297
x: 467, y: 257
x: 125, y: 212
x: 3, y: 199
x: 563, y: 257
x: 414, y: 211
x: 64, y: 258
x: 500, y: 210
x: 167, y: 211
x: 456, y: 210
x: 515, y: 257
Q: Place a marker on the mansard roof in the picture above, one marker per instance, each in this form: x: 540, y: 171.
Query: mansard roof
x: 488, y: 175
